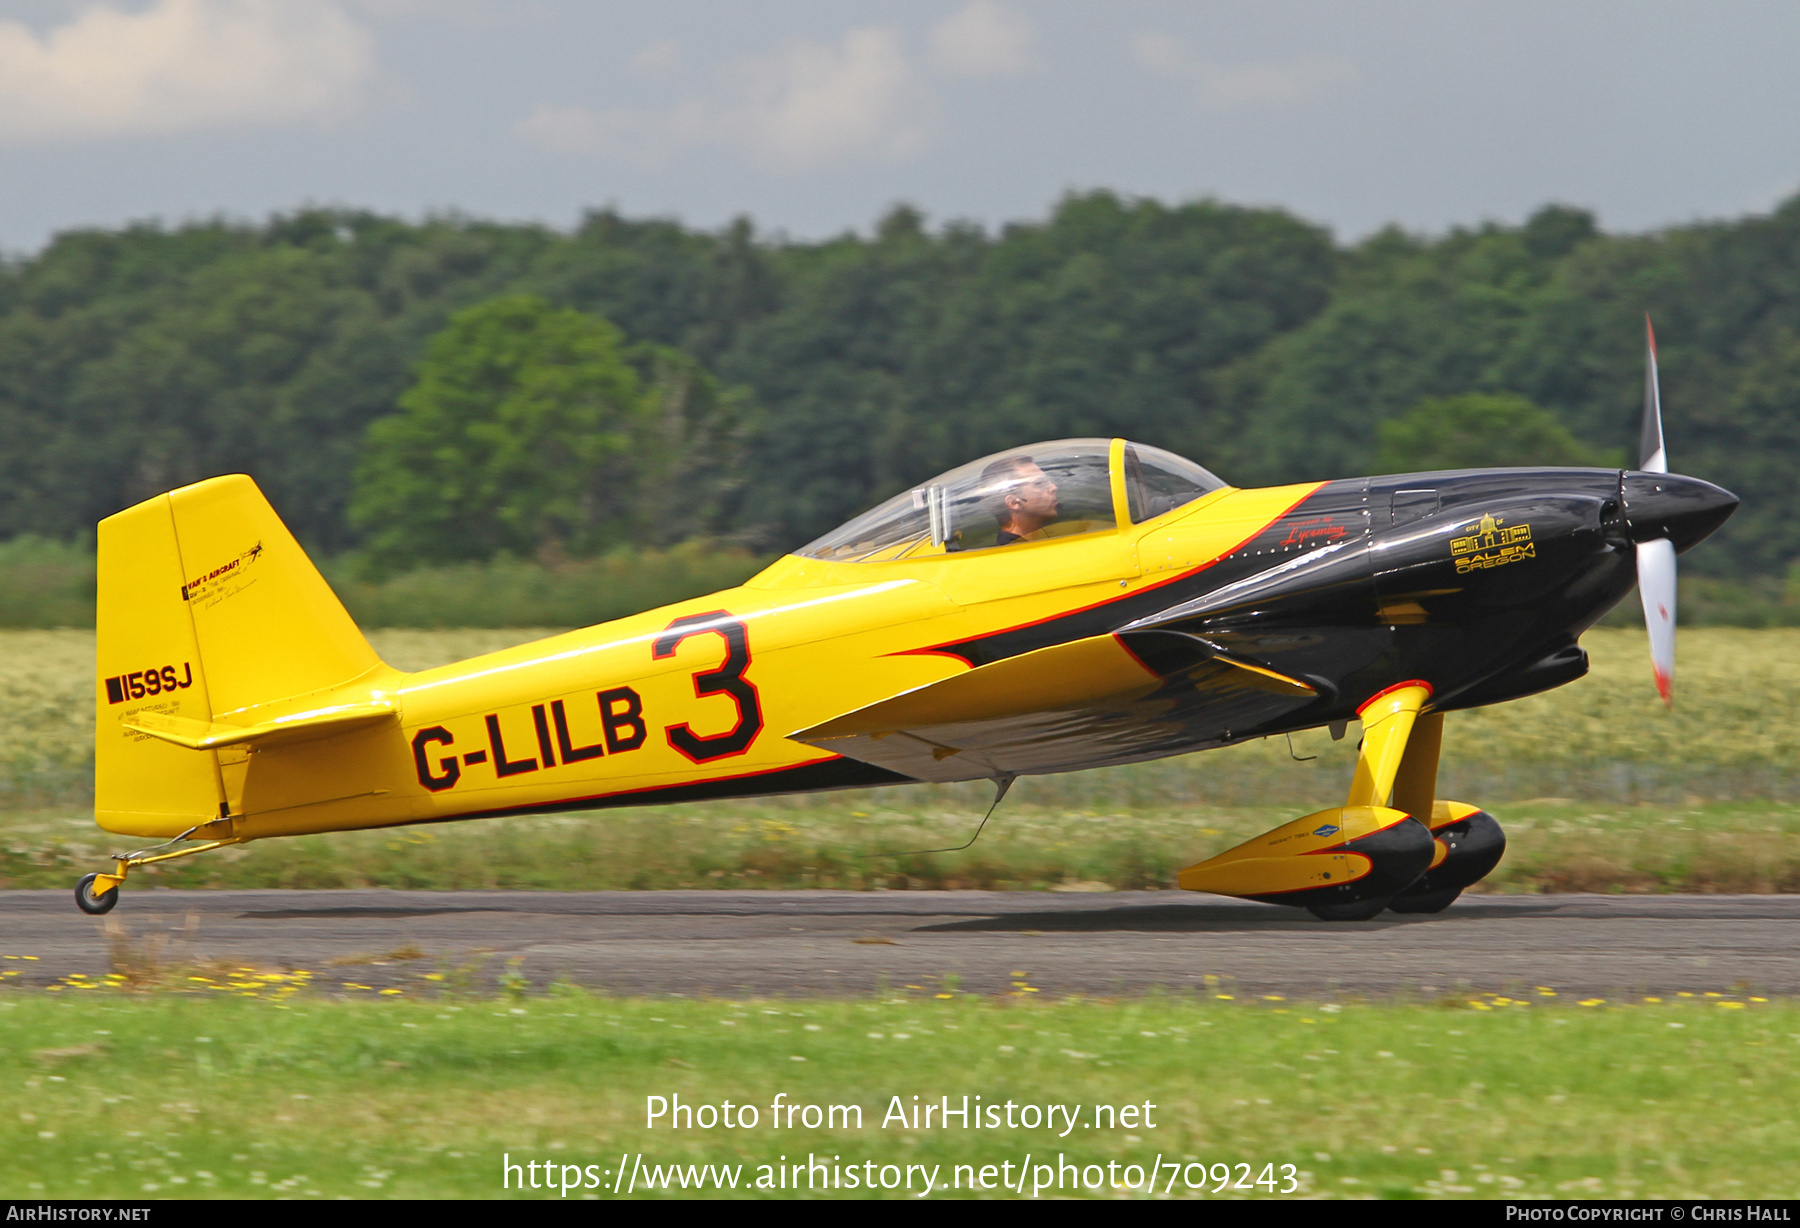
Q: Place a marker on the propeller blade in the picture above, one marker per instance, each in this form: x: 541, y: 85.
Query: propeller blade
x: 1651, y: 457
x: 1656, y: 588
x: 1656, y: 559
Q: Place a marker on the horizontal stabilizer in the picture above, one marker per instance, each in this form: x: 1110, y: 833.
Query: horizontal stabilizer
x: 297, y: 727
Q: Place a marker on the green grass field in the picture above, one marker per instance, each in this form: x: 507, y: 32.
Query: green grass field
x: 1599, y: 787
x: 843, y: 842
x: 1604, y: 738
x: 112, y: 1094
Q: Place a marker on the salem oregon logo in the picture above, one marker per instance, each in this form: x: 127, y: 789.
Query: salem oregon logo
x: 1491, y: 542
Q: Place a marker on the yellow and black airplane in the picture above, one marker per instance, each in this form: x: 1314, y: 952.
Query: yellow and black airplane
x: 1059, y: 606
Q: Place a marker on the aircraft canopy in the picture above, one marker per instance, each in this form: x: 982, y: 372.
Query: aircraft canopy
x: 1040, y: 491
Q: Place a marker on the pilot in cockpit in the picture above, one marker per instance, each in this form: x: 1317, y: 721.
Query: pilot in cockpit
x: 1021, y: 497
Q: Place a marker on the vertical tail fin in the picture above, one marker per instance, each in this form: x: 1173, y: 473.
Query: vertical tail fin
x: 208, y: 610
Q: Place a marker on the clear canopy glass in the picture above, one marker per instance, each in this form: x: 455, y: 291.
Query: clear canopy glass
x: 1034, y: 493
x: 1157, y: 481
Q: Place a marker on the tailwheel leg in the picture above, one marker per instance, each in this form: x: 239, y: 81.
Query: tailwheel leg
x: 1347, y: 863
x: 98, y: 893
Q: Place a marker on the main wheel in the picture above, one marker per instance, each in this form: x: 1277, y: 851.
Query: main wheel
x: 1430, y: 901
x: 1362, y: 910
x: 92, y: 904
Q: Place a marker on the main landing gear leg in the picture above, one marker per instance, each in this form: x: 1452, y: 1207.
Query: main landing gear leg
x: 97, y: 893
x: 1347, y: 863
x: 1468, y: 842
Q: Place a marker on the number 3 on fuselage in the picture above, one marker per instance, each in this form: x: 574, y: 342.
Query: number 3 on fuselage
x: 728, y: 679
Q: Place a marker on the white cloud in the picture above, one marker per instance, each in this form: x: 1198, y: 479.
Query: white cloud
x: 181, y: 66
x: 812, y: 102
x: 1162, y: 54
x: 808, y: 104
x: 983, y: 39
x: 656, y: 62
x: 470, y: 14
x: 645, y: 138
x: 1261, y: 83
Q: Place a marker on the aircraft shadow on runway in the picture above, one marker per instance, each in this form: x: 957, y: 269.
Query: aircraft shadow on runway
x: 321, y: 914
x: 1199, y: 916
x: 1211, y: 918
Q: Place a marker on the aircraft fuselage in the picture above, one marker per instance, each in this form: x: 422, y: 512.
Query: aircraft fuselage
x: 1478, y: 581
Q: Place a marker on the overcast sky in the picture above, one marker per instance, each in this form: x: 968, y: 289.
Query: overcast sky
x: 816, y: 117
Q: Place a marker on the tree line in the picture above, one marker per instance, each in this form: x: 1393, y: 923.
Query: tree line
x: 456, y: 390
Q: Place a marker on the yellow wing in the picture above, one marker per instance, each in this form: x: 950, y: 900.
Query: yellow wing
x: 1088, y: 703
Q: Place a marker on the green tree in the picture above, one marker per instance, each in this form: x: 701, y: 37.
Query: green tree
x: 691, y: 482
x: 894, y: 357
x: 527, y: 429
x: 1479, y: 431
x: 142, y: 358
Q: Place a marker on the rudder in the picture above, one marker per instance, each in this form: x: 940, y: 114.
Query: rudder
x: 208, y: 610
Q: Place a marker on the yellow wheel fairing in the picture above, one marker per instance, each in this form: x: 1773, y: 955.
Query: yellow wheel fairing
x: 1445, y: 813
x: 1299, y: 855
x: 1467, y: 844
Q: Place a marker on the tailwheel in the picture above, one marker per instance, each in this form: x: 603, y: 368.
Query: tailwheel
x: 92, y: 902
x: 97, y: 893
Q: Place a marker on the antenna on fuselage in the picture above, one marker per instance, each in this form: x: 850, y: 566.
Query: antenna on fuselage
x: 1001, y: 785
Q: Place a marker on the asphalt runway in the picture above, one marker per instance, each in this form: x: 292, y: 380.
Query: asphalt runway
x: 724, y: 943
